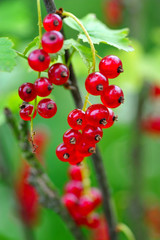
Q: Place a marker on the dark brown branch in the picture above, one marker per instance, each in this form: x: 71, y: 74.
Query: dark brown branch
x: 49, y: 197
x: 97, y: 159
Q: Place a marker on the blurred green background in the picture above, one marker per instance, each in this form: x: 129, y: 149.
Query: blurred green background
x: 18, y: 21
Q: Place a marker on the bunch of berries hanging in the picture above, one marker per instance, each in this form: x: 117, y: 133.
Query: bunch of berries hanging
x: 81, y: 204
x: 39, y: 60
x: 86, y: 126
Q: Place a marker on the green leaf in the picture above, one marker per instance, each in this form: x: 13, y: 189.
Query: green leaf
x: 32, y: 44
x: 100, y: 33
x: 84, y: 52
x: 7, y: 55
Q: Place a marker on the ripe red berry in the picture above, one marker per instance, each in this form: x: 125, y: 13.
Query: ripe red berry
x: 27, y: 92
x: 112, y: 118
x: 110, y: 66
x: 76, y: 160
x: 52, y: 22
x: 70, y: 201
x: 71, y: 137
x: 93, y: 221
x: 39, y: 60
x: 76, y: 119
x: 58, y: 73
x: 92, y: 134
x: 47, y: 108
x: 64, y: 153
x: 96, y: 196
x: 85, y: 205
x: 86, y: 149
x: 75, y: 173
x: 74, y: 187
x: 97, y: 115
x: 26, y: 111
x: 52, y: 41
x: 112, y: 97
x: 43, y: 87
x: 96, y: 83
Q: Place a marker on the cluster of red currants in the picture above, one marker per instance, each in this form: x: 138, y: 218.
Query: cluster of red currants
x: 80, y: 204
x: 78, y: 145
x: 39, y: 60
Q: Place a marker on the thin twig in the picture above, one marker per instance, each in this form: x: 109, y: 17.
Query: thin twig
x: 97, y: 159
x: 49, y: 197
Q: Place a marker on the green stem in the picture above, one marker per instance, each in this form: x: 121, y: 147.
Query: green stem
x: 126, y: 230
x: 21, y: 55
x: 39, y: 21
x: 68, y: 14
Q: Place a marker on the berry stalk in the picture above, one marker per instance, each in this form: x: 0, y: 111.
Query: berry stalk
x: 39, y: 21
x: 126, y: 230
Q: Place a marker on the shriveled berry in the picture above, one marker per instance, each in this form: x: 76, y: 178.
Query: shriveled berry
x: 43, y: 87
x: 63, y: 153
x: 26, y: 111
x: 96, y: 83
x: 52, y: 41
x: 92, y: 134
x: 110, y: 66
x: 86, y: 148
x: 71, y: 137
x: 97, y: 115
x: 112, y: 97
x: 52, y: 22
x: 74, y: 187
x: 47, y: 108
x: 27, y: 92
x: 58, y: 73
x: 39, y: 60
x: 76, y: 119
x: 93, y: 221
x: 75, y: 173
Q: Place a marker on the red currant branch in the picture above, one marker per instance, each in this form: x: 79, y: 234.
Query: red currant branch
x: 48, y: 195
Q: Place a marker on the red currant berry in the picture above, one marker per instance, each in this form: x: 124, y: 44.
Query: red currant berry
x: 64, y: 153
x: 71, y: 137
x: 74, y: 187
x: 76, y: 160
x: 70, y: 201
x: 93, y: 221
x: 26, y: 111
x: 52, y: 22
x: 96, y: 83
x: 86, y: 149
x: 75, y: 173
x: 110, y: 66
x: 85, y: 205
x: 97, y: 115
x: 92, y: 134
x: 52, y: 41
x: 27, y: 92
x: 76, y: 119
x: 43, y: 87
x: 39, y: 60
x: 96, y: 196
x: 47, y: 108
x: 112, y: 97
x: 112, y: 118
x: 58, y: 74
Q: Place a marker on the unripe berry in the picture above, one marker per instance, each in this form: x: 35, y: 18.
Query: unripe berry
x: 92, y: 134
x: 52, y: 41
x: 27, y: 92
x: 96, y: 83
x: 39, y: 60
x: 58, y: 73
x: 97, y: 115
x: 43, y: 87
x: 71, y: 137
x: 110, y: 66
x: 76, y: 119
x: 52, y: 22
x: 112, y: 97
x: 47, y: 108
x: 26, y: 111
